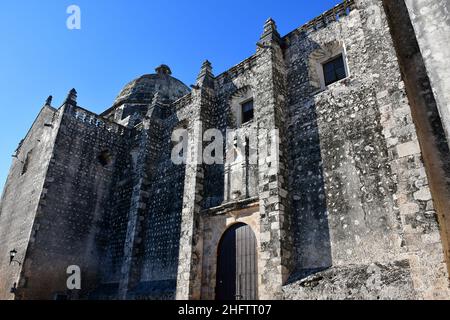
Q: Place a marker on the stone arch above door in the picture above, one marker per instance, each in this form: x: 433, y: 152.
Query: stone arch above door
x: 214, y: 226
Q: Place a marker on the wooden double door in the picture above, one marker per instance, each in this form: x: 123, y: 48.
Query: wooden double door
x: 237, y: 269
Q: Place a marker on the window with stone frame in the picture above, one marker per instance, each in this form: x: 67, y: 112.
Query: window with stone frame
x: 247, y: 111
x: 334, y: 70
x: 328, y: 64
x: 242, y: 97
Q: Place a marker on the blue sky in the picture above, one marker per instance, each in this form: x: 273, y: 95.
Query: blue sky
x: 120, y: 40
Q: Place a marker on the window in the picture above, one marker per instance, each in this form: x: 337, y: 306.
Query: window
x: 247, y: 111
x: 334, y: 70
x: 105, y: 158
x: 26, y: 163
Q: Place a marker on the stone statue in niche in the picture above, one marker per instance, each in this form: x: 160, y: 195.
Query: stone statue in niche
x: 240, y: 173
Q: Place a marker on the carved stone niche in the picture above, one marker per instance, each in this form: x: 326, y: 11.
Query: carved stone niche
x: 321, y: 55
x: 240, y: 172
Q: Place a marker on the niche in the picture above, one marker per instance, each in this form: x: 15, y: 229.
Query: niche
x: 26, y: 163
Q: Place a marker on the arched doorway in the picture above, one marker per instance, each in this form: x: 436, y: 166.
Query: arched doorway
x: 237, y: 270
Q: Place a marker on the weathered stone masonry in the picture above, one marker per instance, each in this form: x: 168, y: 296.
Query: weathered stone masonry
x: 348, y: 202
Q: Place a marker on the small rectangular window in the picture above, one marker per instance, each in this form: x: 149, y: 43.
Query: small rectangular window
x: 247, y: 111
x: 26, y: 163
x: 334, y: 70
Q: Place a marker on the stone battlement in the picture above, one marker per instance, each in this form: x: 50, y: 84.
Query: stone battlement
x: 94, y: 119
x: 332, y: 15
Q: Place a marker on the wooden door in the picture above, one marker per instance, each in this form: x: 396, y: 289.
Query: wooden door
x: 237, y: 271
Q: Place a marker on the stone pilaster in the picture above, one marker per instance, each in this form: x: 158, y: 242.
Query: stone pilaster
x: 191, y: 240
x: 135, y: 216
x: 275, y: 263
x: 130, y: 272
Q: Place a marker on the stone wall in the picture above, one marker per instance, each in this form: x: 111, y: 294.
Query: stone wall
x: 158, y: 243
x: 364, y: 220
x: 191, y: 238
x: 261, y: 78
x: 76, y: 191
x: 424, y: 110
x: 431, y: 22
x: 345, y: 197
x: 21, y: 196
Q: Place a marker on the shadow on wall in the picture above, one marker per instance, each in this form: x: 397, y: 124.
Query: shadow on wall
x: 155, y: 270
x: 214, y: 174
x: 221, y: 118
x: 310, y: 221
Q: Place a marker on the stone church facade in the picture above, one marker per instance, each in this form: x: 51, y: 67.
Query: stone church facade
x: 348, y: 201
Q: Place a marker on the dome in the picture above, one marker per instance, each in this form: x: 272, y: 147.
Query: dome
x: 143, y: 89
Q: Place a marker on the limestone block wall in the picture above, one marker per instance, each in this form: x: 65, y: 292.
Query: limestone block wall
x: 207, y: 185
x: 161, y: 228
x: 260, y: 77
x: 363, y: 215
x: 350, y: 205
x: 230, y: 89
x: 431, y: 22
x: 76, y: 191
x: 425, y: 112
x: 21, y: 196
x: 113, y: 225
x: 191, y: 239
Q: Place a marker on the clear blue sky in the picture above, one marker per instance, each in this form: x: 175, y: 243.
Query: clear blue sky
x: 120, y: 40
